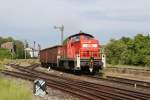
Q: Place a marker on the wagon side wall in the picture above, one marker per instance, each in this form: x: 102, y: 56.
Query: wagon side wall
x: 50, y: 55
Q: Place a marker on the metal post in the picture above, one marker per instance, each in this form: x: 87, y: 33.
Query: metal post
x: 62, y: 34
x: 33, y: 49
x: 25, y: 52
x: 39, y: 48
x: 12, y: 50
x: 61, y: 28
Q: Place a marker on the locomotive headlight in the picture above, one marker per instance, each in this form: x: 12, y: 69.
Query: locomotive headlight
x: 94, y: 45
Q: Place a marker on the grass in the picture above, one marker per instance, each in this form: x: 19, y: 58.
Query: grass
x: 11, y: 91
x: 1, y: 64
x: 19, y: 61
x: 5, y: 53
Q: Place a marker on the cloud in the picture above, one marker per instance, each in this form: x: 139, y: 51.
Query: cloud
x: 35, y: 19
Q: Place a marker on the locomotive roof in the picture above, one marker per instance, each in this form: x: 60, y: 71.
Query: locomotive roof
x: 81, y: 34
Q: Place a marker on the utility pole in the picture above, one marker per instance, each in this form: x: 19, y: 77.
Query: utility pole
x: 61, y: 28
x: 39, y: 48
x: 12, y: 50
x: 33, y: 49
x: 25, y: 52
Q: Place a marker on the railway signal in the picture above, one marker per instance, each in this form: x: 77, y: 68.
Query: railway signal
x: 39, y: 47
x: 61, y: 28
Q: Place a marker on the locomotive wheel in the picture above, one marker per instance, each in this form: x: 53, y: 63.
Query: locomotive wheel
x: 77, y: 72
x: 42, y: 64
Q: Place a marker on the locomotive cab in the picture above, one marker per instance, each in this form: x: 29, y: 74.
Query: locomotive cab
x: 84, y: 49
x: 90, y: 54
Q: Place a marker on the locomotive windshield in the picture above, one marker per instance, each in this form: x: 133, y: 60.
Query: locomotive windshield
x: 87, y: 37
x: 76, y: 38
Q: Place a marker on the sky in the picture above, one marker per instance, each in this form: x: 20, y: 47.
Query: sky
x: 34, y: 20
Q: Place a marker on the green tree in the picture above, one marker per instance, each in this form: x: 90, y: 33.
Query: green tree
x: 129, y: 51
x: 19, y: 46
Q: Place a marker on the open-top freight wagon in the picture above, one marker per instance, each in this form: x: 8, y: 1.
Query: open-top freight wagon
x: 79, y: 52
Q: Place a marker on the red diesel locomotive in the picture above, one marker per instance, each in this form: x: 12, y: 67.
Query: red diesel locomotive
x: 79, y: 52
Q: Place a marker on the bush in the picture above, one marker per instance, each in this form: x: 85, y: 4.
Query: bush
x: 5, y: 53
x: 147, y: 61
x: 1, y: 65
x: 129, y: 51
x: 19, y: 47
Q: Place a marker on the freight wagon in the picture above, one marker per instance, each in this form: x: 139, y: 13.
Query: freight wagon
x: 79, y: 52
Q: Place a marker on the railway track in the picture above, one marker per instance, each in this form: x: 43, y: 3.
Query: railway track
x: 82, y: 89
x: 125, y: 81
x: 30, y: 77
x: 131, y: 81
x: 32, y: 67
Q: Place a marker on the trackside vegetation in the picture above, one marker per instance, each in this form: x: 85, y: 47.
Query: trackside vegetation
x: 11, y: 91
x: 129, y: 51
x: 5, y: 53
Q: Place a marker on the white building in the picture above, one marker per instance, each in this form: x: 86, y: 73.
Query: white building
x: 33, y: 53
